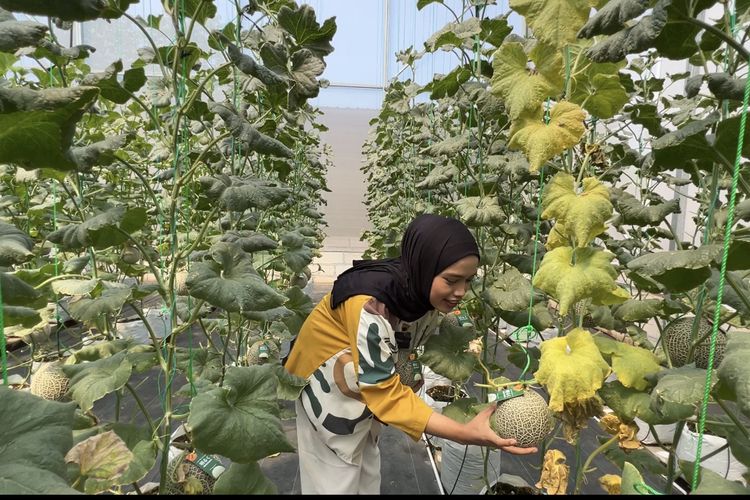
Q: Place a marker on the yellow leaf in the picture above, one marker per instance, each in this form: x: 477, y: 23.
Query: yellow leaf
x: 571, y: 368
x: 555, y: 473
x: 611, y: 483
x: 582, y: 214
x: 572, y: 275
x: 540, y: 141
x: 632, y: 364
x: 558, y: 237
x: 522, y: 88
x: 555, y: 21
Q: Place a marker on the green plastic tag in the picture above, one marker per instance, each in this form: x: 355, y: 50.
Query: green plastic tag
x: 207, y: 463
x: 507, y: 393
x: 464, y: 319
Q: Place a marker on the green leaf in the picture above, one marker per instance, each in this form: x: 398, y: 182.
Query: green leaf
x: 101, y: 231
x: 301, y: 24
x: 296, y: 253
x: 249, y: 137
x: 36, y: 435
x: 447, y: 85
x: 421, y: 4
x: 631, y: 40
x: 109, y: 84
x: 451, y: 146
x: 15, y: 245
x: 554, y: 21
x: 677, y: 149
x: 678, y: 270
x: 290, y: 386
x: 306, y: 68
x: 571, y: 368
x: 522, y: 89
x: 249, y: 241
x: 241, y: 193
x: 638, y: 310
x: 643, y: 459
x: 480, y: 211
x: 723, y: 86
x: 439, y: 175
x: 734, y: 372
x: 204, y: 364
x: 679, y: 391
x: 241, y: 419
x: 454, y: 34
x: 444, y: 353
x: 510, y: 291
x: 92, y: 381
x: 18, y: 34
x: 37, y: 126
x: 647, y: 115
x: 629, y: 403
x: 495, y: 30
x: 229, y: 281
x: 727, y: 134
x: 590, y: 277
x: 583, y: 213
x: 66, y: 10
x: 542, y: 141
x: 19, y: 315
x: 102, y: 459
x: 599, y: 92
x: 631, y: 364
x: 612, y: 17
x: 520, y: 356
x: 301, y: 305
x: 244, y: 479
x: 541, y: 319
x: 632, y: 480
x: 92, y: 310
x: 15, y: 291
x: 74, y: 286
x: 98, y: 153
x: 635, y: 213
x: 711, y: 483
x: 200, y: 10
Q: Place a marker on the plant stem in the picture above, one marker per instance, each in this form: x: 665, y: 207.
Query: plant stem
x: 140, y: 404
x: 580, y: 473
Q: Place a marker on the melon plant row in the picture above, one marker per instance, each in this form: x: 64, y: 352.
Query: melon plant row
x: 179, y: 192
x: 597, y: 181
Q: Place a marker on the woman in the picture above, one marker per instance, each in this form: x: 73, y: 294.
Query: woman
x: 346, y: 350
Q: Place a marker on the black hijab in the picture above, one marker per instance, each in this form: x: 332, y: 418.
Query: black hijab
x: 430, y: 244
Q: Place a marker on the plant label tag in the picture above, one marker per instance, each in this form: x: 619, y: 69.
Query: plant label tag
x: 209, y: 464
x: 263, y: 351
x: 416, y: 369
x: 508, y: 393
x: 464, y: 319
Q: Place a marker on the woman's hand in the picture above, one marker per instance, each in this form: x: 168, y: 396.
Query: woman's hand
x: 481, y: 427
x: 477, y: 431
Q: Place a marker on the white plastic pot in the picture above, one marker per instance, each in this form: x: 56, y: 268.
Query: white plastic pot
x: 723, y: 463
x: 665, y: 433
x: 462, y: 468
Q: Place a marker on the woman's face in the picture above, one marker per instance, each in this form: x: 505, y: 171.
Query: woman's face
x: 449, y: 287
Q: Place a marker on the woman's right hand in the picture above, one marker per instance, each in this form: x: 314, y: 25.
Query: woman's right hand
x: 477, y: 431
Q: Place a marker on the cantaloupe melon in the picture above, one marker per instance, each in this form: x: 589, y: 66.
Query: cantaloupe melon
x: 261, y: 352
x: 677, y: 335
x: 185, y: 477
x: 527, y: 419
x: 49, y: 381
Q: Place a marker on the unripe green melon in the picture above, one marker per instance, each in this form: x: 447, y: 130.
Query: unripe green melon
x: 184, y: 477
x: 180, y: 288
x: 676, y: 337
x: 527, y: 419
x: 49, y: 381
x: 405, y: 370
x: 254, y: 353
x: 131, y: 255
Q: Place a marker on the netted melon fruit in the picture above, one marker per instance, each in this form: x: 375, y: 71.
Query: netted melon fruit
x: 527, y: 419
x: 131, y: 255
x: 180, y: 288
x: 405, y: 370
x: 49, y: 381
x: 677, y: 335
x: 261, y: 352
x: 186, y: 478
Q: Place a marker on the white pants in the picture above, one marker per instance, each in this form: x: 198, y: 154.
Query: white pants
x: 322, y: 471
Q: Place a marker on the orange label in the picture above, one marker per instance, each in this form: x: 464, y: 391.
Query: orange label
x: 191, y: 456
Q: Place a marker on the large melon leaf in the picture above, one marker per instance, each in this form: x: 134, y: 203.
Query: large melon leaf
x: 573, y: 275
x: 630, y: 363
x: 36, y: 435
x: 583, y: 213
x: 92, y: 381
x: 542, y: 141
x: 444, y: 353
x: 571, y: 368
x: 554, y: 21
x: 240, y: 420
x: 678, y: 270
